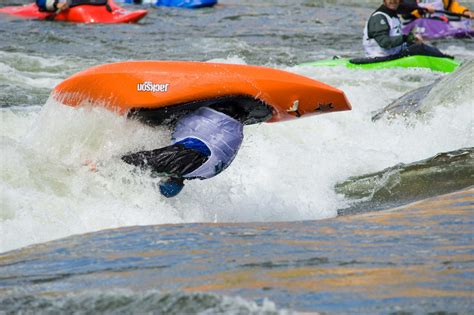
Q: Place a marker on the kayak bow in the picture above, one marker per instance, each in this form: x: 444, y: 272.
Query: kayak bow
x: 433, y: 63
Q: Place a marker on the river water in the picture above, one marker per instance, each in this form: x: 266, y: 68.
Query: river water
x: 283, y: 172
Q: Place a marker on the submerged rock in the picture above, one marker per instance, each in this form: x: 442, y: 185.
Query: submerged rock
x: 408, y: 103
x: 452, y: 89
x: 443, y: 173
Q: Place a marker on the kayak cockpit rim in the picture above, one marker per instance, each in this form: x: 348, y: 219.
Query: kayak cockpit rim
x: 246, y: 109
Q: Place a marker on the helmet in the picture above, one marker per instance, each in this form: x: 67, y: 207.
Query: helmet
x: 171, y: 187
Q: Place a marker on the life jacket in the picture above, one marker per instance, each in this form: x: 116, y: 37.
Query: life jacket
x: 74, y: 3
x: 47, y: 5
x: 51, y: 5
x: 437, y: 4
x: 372, y: 48
x: 449, y: 5
x: 222, y: 134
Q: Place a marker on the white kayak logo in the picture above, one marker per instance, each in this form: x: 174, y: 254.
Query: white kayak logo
x: 149, y: 86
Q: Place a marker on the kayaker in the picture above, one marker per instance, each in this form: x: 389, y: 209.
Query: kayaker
x: 204, y: 143
x: 52, y: 5
x: 61, y: 5
x: 451, y: 6
x: 383, y: 35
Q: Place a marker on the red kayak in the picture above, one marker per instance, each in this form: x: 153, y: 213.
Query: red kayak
x: 85, y: 13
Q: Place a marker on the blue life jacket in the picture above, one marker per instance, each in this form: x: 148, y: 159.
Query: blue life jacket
x: 210, y: 131
x: 195, y: 144
x: 52, y: 5
x: 47, y: 5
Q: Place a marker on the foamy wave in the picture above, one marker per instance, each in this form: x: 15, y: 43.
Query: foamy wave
x: 124, y: 302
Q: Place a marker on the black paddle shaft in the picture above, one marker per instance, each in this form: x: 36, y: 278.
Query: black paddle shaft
x: 451, y: 13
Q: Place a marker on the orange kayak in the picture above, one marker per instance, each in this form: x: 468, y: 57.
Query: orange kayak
x: 158, y: 90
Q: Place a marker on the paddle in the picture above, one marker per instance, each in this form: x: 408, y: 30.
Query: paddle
x: 453, y: 14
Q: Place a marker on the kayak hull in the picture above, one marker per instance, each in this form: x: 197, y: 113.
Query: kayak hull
x: 190, y: 4
x: 79, y: 14
x: 163, y: 85
x: 433, y: 63
x: 436, y: 29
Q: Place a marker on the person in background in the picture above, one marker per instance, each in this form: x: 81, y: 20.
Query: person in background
x: 52, y: 5
x: 56, y: 6
x: 451, y: 6
x: 204, y: 143
x: 383, y: 35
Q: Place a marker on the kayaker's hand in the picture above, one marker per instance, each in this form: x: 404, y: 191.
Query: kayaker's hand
x: 418, y: 39
x: 410, y: 38
x: 63, y: 6
x: 429, y: 8
x: 469, y: 14
x: 413, y: 38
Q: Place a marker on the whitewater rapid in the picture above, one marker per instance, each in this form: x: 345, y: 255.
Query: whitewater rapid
x: 283, y: 172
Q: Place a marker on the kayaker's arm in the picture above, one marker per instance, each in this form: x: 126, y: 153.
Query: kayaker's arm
x: 62, y: 6
x: 455, y: 7
x: 52, y: 5
x: 379, y: 29
x: 175, y: 160
x: 470, y: 14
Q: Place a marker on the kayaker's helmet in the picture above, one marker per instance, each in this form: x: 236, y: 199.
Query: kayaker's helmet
x: 171, y: 187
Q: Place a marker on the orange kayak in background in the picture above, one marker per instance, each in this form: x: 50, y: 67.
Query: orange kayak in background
x: 85, y: 13
x: 155, y: 91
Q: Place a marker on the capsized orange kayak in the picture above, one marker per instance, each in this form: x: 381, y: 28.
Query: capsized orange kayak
x: 85, y: 13
x: 157, y: 90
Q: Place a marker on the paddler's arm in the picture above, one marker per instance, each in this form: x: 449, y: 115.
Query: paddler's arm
x: 175, y: 160
x: 470, y: 14
x: 61, y: 6
x: 379, y: 29
x: 455, y: 7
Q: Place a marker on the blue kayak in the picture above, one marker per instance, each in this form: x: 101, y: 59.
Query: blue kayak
x: 191, y: 4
